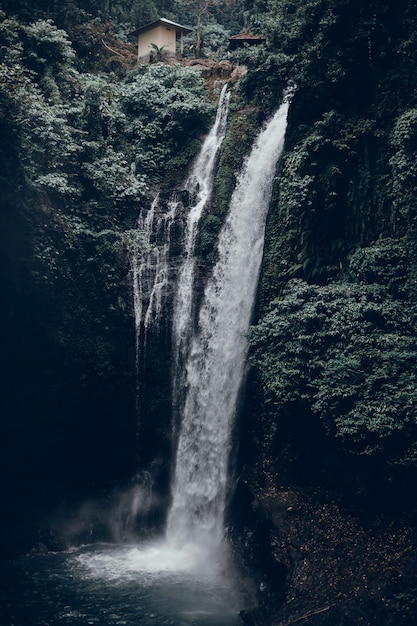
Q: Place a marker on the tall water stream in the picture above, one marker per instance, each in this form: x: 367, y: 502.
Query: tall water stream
x: 186, y: 579
x: 217, y: 354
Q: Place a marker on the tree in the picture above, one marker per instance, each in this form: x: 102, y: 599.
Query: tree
x: 143, y: 12
x: 193, y: 12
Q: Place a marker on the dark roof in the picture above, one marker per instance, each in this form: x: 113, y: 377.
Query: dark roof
x: 162, y: 21
x: 246, y: 37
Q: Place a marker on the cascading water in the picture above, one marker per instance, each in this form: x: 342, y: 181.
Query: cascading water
x: 150, y: 274
x: 163, y: 275
x: 199, y: 186
x: 217, y: 355
x: 150, y: 270
x: 210, y: 362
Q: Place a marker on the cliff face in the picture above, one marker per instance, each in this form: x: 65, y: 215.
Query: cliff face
x: 66, y: 365
x: 326, y: 539
x: 330, y: 443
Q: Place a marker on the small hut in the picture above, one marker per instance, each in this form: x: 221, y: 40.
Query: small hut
x: 239, y: 41
x: 163, y: 34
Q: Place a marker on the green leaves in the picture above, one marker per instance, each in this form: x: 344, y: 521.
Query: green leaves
x: 348, y: 350
x: 168, y: 107
x: 89, y: 136
x: 48, y: 44
x: 403, y: 163
x: 111, y: 175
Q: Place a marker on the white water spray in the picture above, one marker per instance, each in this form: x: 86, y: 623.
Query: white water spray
x: 218, y: 352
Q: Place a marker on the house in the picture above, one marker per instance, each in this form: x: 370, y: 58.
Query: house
x: 163, y: 34
x: 239, y: 41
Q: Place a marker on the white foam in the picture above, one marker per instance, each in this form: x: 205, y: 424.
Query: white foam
x: 153, y: 559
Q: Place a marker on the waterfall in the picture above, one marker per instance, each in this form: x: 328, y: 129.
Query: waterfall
x: 151, y: 271
x: 150, y: 274
x: 199, y: 185
x: 185, y: 578
x: 209, y: 346
x: 163, y: 274
x: 217, y: 352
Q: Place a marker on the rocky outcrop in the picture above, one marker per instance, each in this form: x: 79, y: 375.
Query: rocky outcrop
x: 316, y: 560
x: 218, y: 69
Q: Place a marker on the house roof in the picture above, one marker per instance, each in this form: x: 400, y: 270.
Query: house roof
x: 162, y: 22
x: 246, y: 37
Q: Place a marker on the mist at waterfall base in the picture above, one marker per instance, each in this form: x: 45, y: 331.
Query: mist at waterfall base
x: 127, y: 581
x: 186, y: 578
x: 112, y: 585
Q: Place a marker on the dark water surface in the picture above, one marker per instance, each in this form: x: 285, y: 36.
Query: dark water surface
x: 109, y: 585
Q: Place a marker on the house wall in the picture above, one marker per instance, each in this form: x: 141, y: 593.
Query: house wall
x: 161, y: 36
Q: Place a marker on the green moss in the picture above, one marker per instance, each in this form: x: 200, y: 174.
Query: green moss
x: 241, y: 131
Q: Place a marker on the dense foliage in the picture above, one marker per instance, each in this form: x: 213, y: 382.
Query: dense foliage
x: 345, y: 162
x: 212, y: 20
x: 347, y: 352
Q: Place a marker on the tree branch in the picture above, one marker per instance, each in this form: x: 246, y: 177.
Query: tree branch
x: 307, y: 616
x: 111, y: 50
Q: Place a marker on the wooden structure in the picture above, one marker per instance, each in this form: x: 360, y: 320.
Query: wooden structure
x: 162, y: 35
x: 239, y: 41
